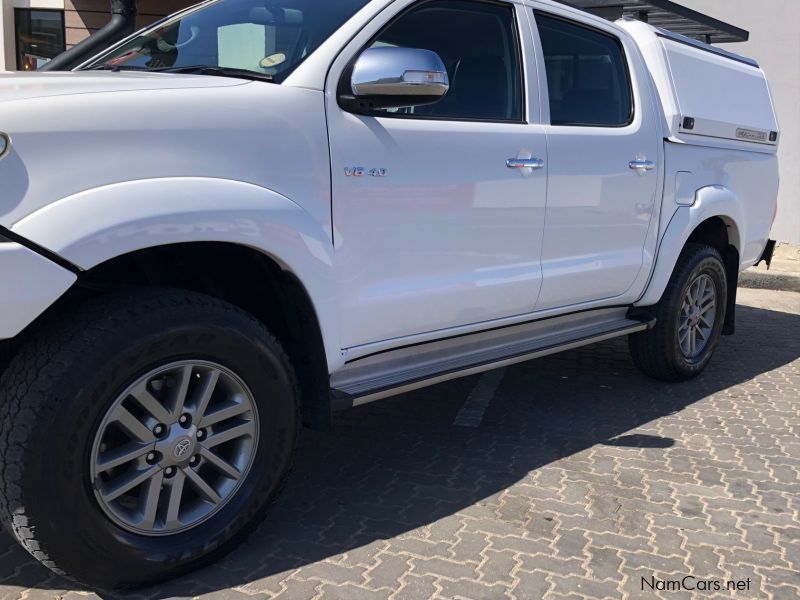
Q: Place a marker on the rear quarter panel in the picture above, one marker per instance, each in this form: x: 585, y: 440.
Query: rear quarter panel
x: 751, y: 178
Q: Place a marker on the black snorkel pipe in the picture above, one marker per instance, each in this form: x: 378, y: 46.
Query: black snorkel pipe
x: 121, y: 25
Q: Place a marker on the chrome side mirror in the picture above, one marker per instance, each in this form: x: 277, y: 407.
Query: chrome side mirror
x: 390, y: 77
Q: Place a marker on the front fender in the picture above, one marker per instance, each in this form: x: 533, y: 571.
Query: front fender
x: 710, y: 201
x: 92, y: 227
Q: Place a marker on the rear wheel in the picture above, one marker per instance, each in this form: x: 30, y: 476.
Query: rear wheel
x: 689, y: 318
x: 143, y: 435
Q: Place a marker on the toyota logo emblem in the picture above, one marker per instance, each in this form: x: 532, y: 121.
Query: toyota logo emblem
x: 182, y: 447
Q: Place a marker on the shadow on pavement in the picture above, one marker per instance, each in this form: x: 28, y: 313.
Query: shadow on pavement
x: 399, y: 464
x: 639, y: 440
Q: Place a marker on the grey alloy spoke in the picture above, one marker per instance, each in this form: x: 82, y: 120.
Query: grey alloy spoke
x: 175, y: 497
x: 128, y: 483
x: 122, y: 455
x: 223, y: 414
x: 181, y: 390
x: 151, y: 499
x: 701, y: 289
x: 150, y: 403
x: 132, y: 425
x: 207, y: 387
x: 684, y: 327
x: 202, y: 486
x: 227, y: 435
x: 221, y: 465
x: 708, y: 304
x: 689, y: 296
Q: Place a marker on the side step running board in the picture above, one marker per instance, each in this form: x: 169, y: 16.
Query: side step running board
x: 397, y: 371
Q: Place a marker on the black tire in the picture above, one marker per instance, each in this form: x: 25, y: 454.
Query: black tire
x: 657, y: 352
x: 57, y: 389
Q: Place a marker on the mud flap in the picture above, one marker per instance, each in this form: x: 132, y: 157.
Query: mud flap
x: 732, y: 272
x: 766, y: 256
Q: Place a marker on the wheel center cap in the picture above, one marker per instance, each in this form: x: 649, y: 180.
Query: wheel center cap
x: 178, y: 446
x: 183, y: 448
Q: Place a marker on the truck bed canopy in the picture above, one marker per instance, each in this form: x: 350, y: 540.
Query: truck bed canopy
x: 666, y: 15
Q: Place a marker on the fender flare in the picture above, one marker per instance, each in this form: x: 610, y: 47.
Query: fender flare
x: 710, y: 201
x: 97, y: 225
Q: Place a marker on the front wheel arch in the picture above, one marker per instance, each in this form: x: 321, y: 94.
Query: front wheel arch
x: 239, y: 275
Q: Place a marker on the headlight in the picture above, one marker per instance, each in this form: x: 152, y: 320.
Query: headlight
x: 5, y: 144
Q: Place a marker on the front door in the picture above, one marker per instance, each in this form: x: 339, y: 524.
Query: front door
x: 432, y: 229
x: 603, y: 153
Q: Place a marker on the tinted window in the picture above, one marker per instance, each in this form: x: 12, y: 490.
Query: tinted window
x: 271, y: 37
x: 586, y: 74
x: 479, y: 46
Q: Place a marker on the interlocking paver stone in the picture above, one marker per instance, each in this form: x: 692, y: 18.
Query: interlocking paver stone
x: 583, y: 478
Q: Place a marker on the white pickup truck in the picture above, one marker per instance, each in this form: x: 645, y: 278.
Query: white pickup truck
x: 257, y: 211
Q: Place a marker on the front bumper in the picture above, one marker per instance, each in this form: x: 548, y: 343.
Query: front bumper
x: 766, y: 256
x: 29, y: 284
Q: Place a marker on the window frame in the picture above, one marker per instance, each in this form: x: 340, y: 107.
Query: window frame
x: 18, y: 10
x: 343, y: 86
x: 625, y: 61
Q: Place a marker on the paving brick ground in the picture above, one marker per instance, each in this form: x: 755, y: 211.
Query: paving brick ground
x: 582, y: 478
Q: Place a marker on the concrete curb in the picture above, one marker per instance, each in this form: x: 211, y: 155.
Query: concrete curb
x: 784, y: 275
x: 769, y: 280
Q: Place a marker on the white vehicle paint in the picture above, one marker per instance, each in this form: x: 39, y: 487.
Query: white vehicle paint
x: 196, y: 259
x: 31, y: 282
x: 450, y: 241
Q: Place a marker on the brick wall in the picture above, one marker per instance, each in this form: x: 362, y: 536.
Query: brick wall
x: 85, y: 16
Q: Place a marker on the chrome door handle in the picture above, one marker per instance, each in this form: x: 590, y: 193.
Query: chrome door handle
x: 525, y: 163
x: 642, y: 165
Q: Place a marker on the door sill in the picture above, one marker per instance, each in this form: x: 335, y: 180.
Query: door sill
x: 397, y: 371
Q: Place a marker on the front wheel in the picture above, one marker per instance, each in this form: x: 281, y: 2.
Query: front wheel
x: 143, y: 435
x: 689, y: 318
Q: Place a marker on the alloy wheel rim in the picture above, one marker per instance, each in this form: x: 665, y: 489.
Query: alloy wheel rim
x: 174, y: 448
x: 698, y: 314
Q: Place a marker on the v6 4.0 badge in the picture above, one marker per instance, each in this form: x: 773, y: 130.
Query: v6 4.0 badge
x: 361, y: 171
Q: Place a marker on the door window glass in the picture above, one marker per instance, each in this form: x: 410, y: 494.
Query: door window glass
x: 40, y: 37
x: 587, y: 75
x: 479, y: 45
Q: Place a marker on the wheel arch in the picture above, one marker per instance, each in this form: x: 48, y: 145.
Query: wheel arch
x: 715, y: 218
x: 101, y: 224
x: 203, y: 221
x: 242, y: 276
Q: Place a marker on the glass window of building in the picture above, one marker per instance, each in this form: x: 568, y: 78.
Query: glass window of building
x: 40, y: 37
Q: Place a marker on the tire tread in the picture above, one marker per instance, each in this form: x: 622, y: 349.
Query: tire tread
x: 650, y: 350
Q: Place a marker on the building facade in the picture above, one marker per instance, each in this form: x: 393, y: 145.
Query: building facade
x: 34, y: 31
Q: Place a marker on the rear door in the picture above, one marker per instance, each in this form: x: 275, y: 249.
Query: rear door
x: 433, y: 230
x: 603, y: 159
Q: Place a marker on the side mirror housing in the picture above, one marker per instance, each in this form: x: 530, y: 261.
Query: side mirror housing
x: 394, y: 78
